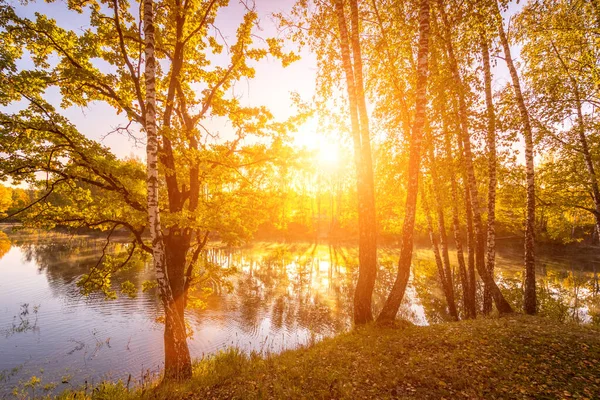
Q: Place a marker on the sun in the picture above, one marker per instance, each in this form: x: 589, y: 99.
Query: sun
x: 328, y: 154
x: 326, y: 150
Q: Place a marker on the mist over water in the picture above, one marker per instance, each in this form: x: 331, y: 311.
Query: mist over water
x: 281, y: 296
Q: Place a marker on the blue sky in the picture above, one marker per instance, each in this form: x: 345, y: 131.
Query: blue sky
x: 271, y: 87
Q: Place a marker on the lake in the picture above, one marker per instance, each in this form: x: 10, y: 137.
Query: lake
x: 282, y: 296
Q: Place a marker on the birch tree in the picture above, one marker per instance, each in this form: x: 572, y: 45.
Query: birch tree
x: 177, y: 355
x: 530, y: 304
x: 501, y: 304
x: 561, y: 69
x: 492, y: 180
x: 367, y: 245
x: 390, y: 308
x: 200, y: 185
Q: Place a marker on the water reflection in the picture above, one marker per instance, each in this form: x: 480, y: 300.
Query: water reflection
x: 568, y: 295
x: 23, y: 322
x: 292, y: 295
x: 281, y: 296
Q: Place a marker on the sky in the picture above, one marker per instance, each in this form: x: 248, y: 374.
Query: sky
x: 272, y: 86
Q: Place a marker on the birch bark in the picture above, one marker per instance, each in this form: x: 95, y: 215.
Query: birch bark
x: 530, y: 303
x: 492, y: 183
x: 177, y: 357
x: 501, y: 304
x: 390, y: 308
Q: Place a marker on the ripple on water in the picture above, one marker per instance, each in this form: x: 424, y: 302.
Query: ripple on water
x: 274, y: 305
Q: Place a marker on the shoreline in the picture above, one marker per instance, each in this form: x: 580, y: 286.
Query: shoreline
x: 505, y: 357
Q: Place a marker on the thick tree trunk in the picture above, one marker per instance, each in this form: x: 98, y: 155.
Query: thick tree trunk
x: 368, y: 239
x: 491, y: 149
x: 177, y: 358
x: 367, y: 246
x: 501, y: 304
x: 530, y: 305
x: 390, y: 308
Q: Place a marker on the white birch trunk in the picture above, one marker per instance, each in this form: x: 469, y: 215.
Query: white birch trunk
x: 174, y: 325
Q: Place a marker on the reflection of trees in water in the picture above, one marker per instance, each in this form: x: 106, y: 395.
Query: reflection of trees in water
x: 62, y: 261
x: 25, y: 321
x: 569, y: 295
x: 567, y: 291
x: 301, y: 289
x: 251, y: 303
x: 4, y: 244
x: 65, y: 258
x: 312, y: 286
x: 429, y: 292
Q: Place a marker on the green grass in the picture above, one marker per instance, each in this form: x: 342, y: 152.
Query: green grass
x: 513, y: 357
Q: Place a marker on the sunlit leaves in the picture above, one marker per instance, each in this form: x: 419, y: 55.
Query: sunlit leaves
x: 129, y: 289
x: 115, y: 258
x: 79, y: 183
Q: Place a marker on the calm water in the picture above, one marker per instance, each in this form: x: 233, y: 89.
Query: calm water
x: 281, y: 296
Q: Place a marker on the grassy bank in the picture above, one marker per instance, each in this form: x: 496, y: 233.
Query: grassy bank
x: 512, y: 357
